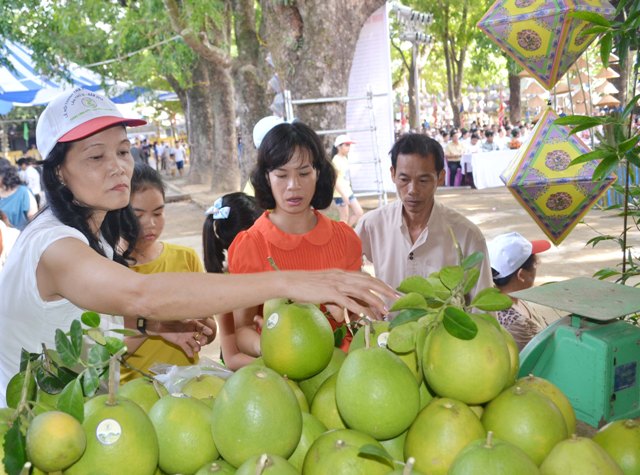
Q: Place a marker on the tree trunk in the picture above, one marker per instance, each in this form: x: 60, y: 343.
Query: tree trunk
x: 312, y: 44
x: 515, y: 103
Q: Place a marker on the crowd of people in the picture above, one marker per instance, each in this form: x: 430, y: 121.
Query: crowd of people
x: 96, y: 243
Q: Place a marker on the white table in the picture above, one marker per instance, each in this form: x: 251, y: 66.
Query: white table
x: 487, y: 166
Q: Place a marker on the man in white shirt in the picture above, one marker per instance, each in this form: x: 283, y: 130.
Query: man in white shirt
x: 179, y: 156
x: 412, y: 235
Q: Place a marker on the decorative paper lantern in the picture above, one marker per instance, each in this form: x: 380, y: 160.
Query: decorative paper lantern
x: 555, y: 194
x: 540, y: 35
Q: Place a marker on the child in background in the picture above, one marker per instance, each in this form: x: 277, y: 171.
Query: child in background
x: 229, y: 215
x: 152, y: 256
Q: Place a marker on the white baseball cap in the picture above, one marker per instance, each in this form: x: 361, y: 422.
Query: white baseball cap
x: 77, y: 114
x: 507, y: 252
x: 263, y: 126
x: 340, y: 139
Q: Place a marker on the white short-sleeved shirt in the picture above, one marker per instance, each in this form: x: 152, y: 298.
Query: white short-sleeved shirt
x: 27, y: 321
x: 387, y: 244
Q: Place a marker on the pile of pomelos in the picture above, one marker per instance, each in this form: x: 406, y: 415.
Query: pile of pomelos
x: 429, y: 393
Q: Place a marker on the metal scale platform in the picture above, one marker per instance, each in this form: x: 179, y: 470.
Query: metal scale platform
x: 591, y: 355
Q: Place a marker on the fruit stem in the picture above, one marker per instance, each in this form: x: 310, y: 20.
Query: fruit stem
x: 272, y: 263
x: 367, y: 335
x: 263, y: 463
x: 113, y: 368
x: 408, y: 467
x: 489, y: 442
x: 24, y: 391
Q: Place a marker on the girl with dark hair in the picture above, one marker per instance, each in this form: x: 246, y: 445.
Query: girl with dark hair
x: 229, y: 215
x: 293, y: 179
x: 150, y: 256
x: 63, y: 262
x: 16, y: 200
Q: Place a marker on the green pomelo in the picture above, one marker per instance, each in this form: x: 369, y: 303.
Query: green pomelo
x: 472, y: 371
x: 395, y: 446
x: 296, y: 340
x: 272, y: 305
x: 336, y: 453
x: 205, y: 386
x: 55, y: 440
x: 492, y: 456
x: 377, y: 338
x: 183, y: 427
x: 14, y: 389
x: 553, y: 392
x: 302, y: 400
x: 310, y: 385
x: 255, y: 412
x: 143, y: 392
x: 425, y: 395
x: 312, y: 428
x: 218, y: 467
x: 98, y: 402
x: 621, y: 440
x: 514, y: 356
x: 526, y: 419
x: 120, y: 439
x: 579, y: 456
x: 376, y: 393
x: 439, y: 433
x: 267, y: 465
x: 324, y: 406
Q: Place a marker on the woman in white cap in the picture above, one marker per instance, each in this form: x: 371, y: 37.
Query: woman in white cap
x: 514, y: 262
x: 71, y: 257
x: 343, y: 195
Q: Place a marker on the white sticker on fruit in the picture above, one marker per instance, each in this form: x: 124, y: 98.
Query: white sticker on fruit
x: 382, y: 339
x: 272, y: 321
x: 108, y: 432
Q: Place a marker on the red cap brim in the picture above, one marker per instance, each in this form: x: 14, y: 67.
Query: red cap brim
x: 96, y: 125
x: 540, y: 245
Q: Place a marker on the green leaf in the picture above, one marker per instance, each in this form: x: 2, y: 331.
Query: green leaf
x: 577, y: 120
x: 410, y: 300
x: 451, y: 276
x: 594, y: 30
x: 48, y: 382
x: 373, y: 451
x: 472, y: 260
x: 590, y: 156
x: 98, y: 356
x: 338, y: 335
x: 97, y: 335
x: 580, y: 128
x: 91, y: 319
x: 491, y: 299
x: 605, y: 167
x: 65, y: 349
x: 124, y: 331
x: 402, y: 339
x: 114, y: 345
x: 628, y: 144
x: 91, y: 381
x: 75, y: 335
x: 71, y: 400
x: 417, y: 284
x: 408, y: 315
x: 459, y: 324
x: 15, y: 450
x: 606, y: 45
x: 590, y: 17
x: 471, y: 280
x: 25, y: 357
x: 606, y: 273
x: 630, y: 106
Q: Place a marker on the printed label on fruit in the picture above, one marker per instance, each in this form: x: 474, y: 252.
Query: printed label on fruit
x: 272, y: 321
x: 108, y: 432
x: 382, y: 339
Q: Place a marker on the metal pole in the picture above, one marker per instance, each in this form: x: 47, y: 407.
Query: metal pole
x: 416, y: 81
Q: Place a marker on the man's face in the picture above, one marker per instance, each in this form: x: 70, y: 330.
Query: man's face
x: 416, y: 180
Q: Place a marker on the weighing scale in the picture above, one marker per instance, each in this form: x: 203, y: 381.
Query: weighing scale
x: 592, y: 355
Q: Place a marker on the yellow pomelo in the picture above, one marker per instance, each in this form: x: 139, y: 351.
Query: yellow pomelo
x: 621, y: 440
x: 183, y: 427
x: 492, y: 456
x: 204, y: 386
x: 255, y: 412
x: 296, y: 340
x: 55, y: 440
x: 267, y: 465
x: 218, y: 467
x: 553, y: 392
x: 324, y: 406
x: 310, y: 385
x: 336, y: 453
x: 14, y: 389
x: 526, y: 419
x: 472, y: 371
x: 312, y: 428
x: 579, y: 456
x: 143, y: 392
x: 439, y: 433
x: 376, y: 393
x: 302, y: 400
x: 120, y: 439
